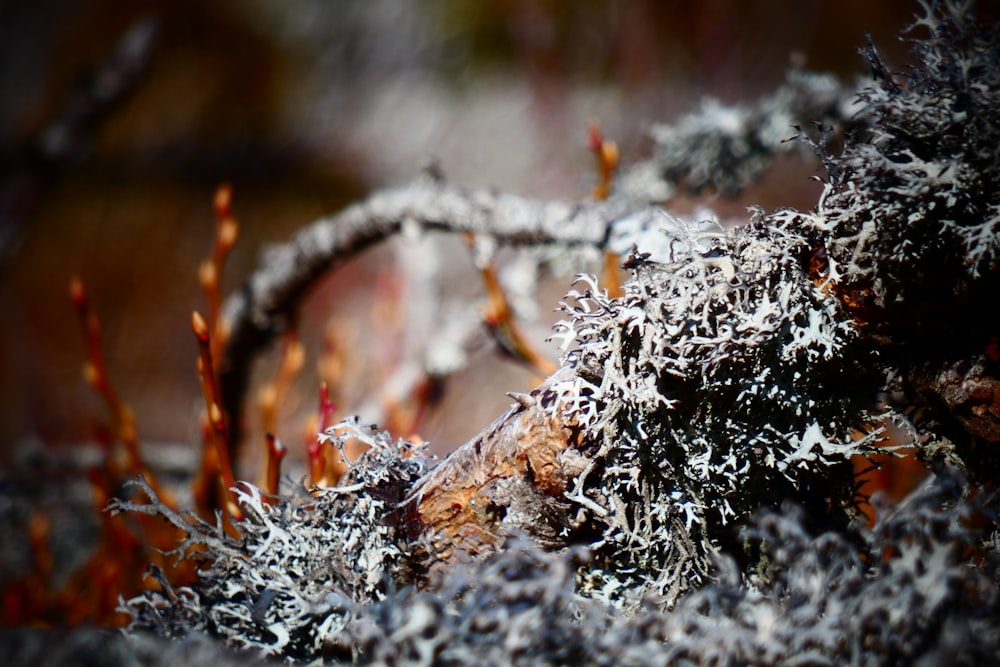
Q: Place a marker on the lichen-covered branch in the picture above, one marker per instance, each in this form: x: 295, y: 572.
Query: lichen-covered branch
x: 271, y: 296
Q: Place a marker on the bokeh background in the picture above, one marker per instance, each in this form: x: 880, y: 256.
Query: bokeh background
x: 304, y: 106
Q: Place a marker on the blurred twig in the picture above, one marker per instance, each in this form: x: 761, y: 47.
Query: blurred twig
x: 66, y: 139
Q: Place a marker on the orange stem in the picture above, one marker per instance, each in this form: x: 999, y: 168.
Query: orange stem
x: 212, y: 407
x: 95, y: 372
x: 607, y: 155
x: 317, y: 463
x: 500, y: 319
x: 611, y: 277
x: 210, y: 271
x: 336, y: 464
x: 273, y: 393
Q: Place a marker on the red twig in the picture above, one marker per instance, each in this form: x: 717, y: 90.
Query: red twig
x: 95, y: 372
x: 210, y: 271
x: 275, y: 452
x: 606, y: 153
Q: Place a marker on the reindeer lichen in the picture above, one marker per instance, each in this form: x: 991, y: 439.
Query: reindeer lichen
x: 911, y: 212
x: 301, y: 561
x: 895, y: 593
x: 714, y: 384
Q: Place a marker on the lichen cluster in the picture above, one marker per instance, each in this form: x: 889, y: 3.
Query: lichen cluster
x: 899, y: 592
x: 715, y: 388
x: 907, y: 229
x: 910, y: 215
x: 822, y: 600
x: 301, y: 562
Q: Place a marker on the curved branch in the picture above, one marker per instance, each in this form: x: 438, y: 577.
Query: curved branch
x: 269, y: 298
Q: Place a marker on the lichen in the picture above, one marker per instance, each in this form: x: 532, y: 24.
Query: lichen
x: 300, y: 562
x: 901, y: 592
x: 898, y: 592
x: 910, y: 214
x: 713, y: 389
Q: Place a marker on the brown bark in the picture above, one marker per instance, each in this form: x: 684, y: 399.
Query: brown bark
x: 972, y: 397
x: 965, y: 397
x: 512, y: 476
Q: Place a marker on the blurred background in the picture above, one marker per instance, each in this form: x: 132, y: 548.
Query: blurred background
x: 304, y: 106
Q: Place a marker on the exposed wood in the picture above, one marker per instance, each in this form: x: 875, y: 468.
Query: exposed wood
x: 511, y: 476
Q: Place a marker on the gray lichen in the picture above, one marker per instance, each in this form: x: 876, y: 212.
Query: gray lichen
x: 900, y: 592
x: 710, y: 391
x: 910, y: 214
x: 908, y: 225
x: 301, y: 562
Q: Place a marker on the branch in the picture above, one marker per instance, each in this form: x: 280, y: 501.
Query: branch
x: 726, y: 148
x: 272, y: 294
x: 513, y: 476
x: 701, y: 146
